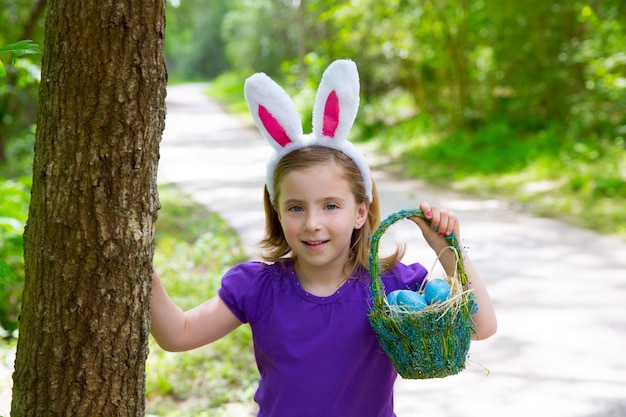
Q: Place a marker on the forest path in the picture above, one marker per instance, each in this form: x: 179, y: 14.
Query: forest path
x: 559, y: 290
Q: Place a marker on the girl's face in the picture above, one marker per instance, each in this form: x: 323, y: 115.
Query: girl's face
x: 318, y: 214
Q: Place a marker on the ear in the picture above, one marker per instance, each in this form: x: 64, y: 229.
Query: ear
x: 361, y: 215
x: 273, y: 111
x: 336, y: 101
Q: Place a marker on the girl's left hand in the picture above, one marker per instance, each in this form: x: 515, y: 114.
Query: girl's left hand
x: 438, y: 224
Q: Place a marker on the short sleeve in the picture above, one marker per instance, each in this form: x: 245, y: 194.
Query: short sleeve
x: 244, y: 289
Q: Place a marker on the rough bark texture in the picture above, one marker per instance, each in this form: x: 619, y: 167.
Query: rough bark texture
x: 89, y: 239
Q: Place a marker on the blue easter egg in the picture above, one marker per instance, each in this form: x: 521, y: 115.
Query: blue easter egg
x: 411, y: 300
x: 436, y: 291
x: 392, y: 297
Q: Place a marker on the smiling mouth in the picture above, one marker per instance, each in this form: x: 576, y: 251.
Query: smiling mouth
x: 314, y: 242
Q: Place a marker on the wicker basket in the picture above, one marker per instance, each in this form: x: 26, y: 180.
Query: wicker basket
x: 433, y: 342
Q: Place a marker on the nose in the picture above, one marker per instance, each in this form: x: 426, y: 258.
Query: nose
x: 313, y: 221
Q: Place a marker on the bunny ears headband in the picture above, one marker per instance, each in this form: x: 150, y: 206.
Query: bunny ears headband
x: 334, y: 111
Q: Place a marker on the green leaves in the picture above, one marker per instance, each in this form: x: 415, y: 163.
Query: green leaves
x: 26, y: 47
x: 5, y: 273
x: 18, y: 49
x: 14, y: 199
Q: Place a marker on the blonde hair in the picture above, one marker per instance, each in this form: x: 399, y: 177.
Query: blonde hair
x: 275, y: 244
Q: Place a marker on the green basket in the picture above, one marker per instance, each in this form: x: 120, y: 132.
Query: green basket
x: 433, y: 342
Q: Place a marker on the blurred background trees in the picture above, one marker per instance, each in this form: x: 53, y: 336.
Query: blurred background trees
x: 462, y: 63
x: 486, y: 95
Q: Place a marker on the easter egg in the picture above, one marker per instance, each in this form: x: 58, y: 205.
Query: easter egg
x: 436, y: 291
x: 411, y: 300
x: 392, y: 297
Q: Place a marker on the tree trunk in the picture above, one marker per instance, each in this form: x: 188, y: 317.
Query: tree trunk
x: 89, y: 240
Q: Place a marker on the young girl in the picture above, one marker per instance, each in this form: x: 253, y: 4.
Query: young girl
x: 307, y: 304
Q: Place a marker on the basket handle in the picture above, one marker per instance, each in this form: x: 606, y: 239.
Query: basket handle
x: 376, y: 285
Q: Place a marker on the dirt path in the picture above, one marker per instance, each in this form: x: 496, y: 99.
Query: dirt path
x: 559, y: 291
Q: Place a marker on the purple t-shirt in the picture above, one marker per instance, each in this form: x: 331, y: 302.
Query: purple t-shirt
x: 317, y: 356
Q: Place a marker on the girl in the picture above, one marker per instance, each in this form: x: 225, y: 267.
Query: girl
x: 307, y: 304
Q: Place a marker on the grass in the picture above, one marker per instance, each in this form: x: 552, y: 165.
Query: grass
x: 194, y: 248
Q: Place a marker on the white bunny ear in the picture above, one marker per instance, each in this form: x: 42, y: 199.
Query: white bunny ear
x: 334, y: 111
x: 336, y: 101
x: 273, y: 111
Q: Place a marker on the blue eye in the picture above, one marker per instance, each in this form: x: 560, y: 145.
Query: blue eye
x: 331, y: 206
x: 296, y: 208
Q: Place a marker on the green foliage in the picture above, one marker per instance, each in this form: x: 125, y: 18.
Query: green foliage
x: 19, y: 19
x: 15, y: 195
x: 18, y: 49
x: 15, y: 184
x: 228, y: 90
x: 194, y: 48
x: 194, y: 248
x: 464, y: 64
x: 19, y: 154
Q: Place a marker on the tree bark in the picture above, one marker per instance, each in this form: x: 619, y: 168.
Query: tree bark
x: 89, y: 239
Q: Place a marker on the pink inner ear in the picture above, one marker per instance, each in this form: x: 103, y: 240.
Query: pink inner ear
x: 272, y: 126
x: 331, y: 115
